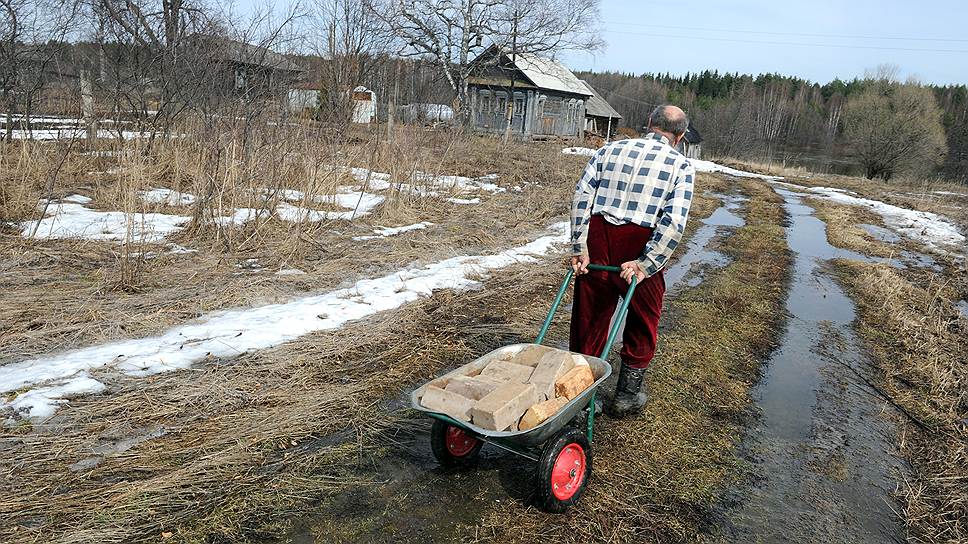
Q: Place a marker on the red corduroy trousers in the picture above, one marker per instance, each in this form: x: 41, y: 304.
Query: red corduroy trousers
x: 597, y: 294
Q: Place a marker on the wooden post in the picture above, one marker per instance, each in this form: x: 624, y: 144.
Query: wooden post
x: 608, y: 131
x: 514, y: 67
x: 392, y: 105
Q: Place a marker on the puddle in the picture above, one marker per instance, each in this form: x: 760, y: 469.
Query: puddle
x: 822, y: 452
x: 698, y: 258
x: 962, y: 307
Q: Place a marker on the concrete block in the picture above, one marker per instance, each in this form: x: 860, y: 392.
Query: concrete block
x: 539, y: 413
x: 503, y: 407
x: 552, y: 366
x: 472, y: 388
x: 447, y: 402
x: 507, y: 372
x: 574, y: 382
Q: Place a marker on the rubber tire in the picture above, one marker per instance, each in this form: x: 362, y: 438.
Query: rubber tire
x: 549, y: 454
x: 438, y: 444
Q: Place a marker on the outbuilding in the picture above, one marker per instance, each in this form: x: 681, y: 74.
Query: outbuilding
x: 600, y: 117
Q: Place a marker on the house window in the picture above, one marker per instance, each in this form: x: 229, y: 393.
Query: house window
x: 240, y: 78
x: 486, y: 104
x: 518, y: 104
x: 502, y: 102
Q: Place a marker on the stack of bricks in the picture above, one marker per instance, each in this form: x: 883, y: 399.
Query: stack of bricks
x: 512, y: 392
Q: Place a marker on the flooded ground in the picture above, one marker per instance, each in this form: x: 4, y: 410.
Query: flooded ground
x: 822, y: 449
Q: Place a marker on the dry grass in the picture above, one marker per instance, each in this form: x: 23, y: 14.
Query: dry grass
x: 245, y: 441
x: 919, y: 344
x: 61, y: 294
x: 658, y: 474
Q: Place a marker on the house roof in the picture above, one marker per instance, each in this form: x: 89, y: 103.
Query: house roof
x: 692, y: 135
x: 258, y: 55
x: 596, y: 106
x: 549, y: 74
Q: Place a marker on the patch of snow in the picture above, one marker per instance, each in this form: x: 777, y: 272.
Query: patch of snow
x: 464, y: 201
x: 949, y: 193
x: 69, y: 218
x: 40, y: 403
x: 928, y: 228
x: 290, y: 272
x: 583, y: 151
x: 167, y: 197
x: 234, y: 332
x: 709, y: 166
x: 383, y: 232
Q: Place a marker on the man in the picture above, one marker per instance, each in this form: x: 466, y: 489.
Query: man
x: 630, y: 209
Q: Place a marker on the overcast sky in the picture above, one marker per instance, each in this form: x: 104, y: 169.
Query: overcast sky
x: 815, y: 39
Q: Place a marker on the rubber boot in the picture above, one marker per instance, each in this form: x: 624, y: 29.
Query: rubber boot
x: 629, y: 398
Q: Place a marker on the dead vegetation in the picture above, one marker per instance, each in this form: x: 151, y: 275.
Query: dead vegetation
x: 61, y: 294
x: 658, y: 474
x: 918, y: 343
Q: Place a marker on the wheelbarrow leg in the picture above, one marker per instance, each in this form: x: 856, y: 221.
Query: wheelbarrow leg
x: 591, y: 416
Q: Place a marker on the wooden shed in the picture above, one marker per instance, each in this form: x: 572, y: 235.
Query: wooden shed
x: 547, y: 98
x: 600, y: 117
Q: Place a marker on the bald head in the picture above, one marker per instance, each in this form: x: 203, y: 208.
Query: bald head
x: 669, y: 120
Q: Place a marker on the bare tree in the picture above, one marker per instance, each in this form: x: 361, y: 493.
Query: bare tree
x: 895, y: 128
x: 351, y: 41
x: 33, y: 35
x: 452, y: 33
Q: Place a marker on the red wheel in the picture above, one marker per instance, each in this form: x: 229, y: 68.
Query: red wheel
x: 453, y: 446
x: 568, y: 473
x: 564, y: 469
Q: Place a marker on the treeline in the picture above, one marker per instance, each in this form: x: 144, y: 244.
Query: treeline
x: 759, y: 117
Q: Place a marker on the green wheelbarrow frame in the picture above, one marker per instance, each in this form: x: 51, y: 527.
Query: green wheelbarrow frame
x: 528, y: 443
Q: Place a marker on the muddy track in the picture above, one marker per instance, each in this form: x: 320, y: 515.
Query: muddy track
x: 824, y: 465
x: 420, y: 501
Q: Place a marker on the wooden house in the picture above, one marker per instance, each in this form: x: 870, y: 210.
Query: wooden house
x: 546, y: 97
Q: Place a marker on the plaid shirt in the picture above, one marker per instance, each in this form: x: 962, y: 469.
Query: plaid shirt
x: 643, y: 181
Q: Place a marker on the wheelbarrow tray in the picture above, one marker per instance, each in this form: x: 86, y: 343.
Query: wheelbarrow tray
x: 531, y: 438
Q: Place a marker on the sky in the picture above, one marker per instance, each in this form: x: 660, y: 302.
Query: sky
x: 818, y: 40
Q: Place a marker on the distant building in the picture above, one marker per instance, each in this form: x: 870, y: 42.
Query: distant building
x: 691, y: 145
x: 600, y: 117
x: 303, y: 96
x: 548, y: 99
x: 364, y: 105
x: 256, y: 71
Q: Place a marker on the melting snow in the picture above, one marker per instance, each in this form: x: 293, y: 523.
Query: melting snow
x: 167, y: 197
x: 709, y: 166
x: 464, y: 201
x: 584, y: 151
x: 931, y: 229
x: 234, y: 332
x: 383, y: 232
x: 69, y: 218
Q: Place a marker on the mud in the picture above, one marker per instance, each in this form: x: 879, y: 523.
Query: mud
x: 823, y: 461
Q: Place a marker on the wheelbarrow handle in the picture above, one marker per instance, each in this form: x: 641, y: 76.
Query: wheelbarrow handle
x: 618, y: 318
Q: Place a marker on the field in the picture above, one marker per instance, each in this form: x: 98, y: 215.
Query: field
x: 211, y: 337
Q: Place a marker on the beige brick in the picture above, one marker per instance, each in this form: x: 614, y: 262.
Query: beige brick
x: 507, y: 372
x: 574, y: 382
x: 539, y: 413
x: 551, y: 367
x: 530, y: 355
x: 503, y: 407
x: 472, y: 388
x: 447, y: 402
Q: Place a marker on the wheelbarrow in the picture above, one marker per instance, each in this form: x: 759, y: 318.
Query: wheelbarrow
x: 560, y: 447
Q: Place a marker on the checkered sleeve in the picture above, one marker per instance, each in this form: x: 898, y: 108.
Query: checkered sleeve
x: 581, y: 207
x: 672, y: 222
